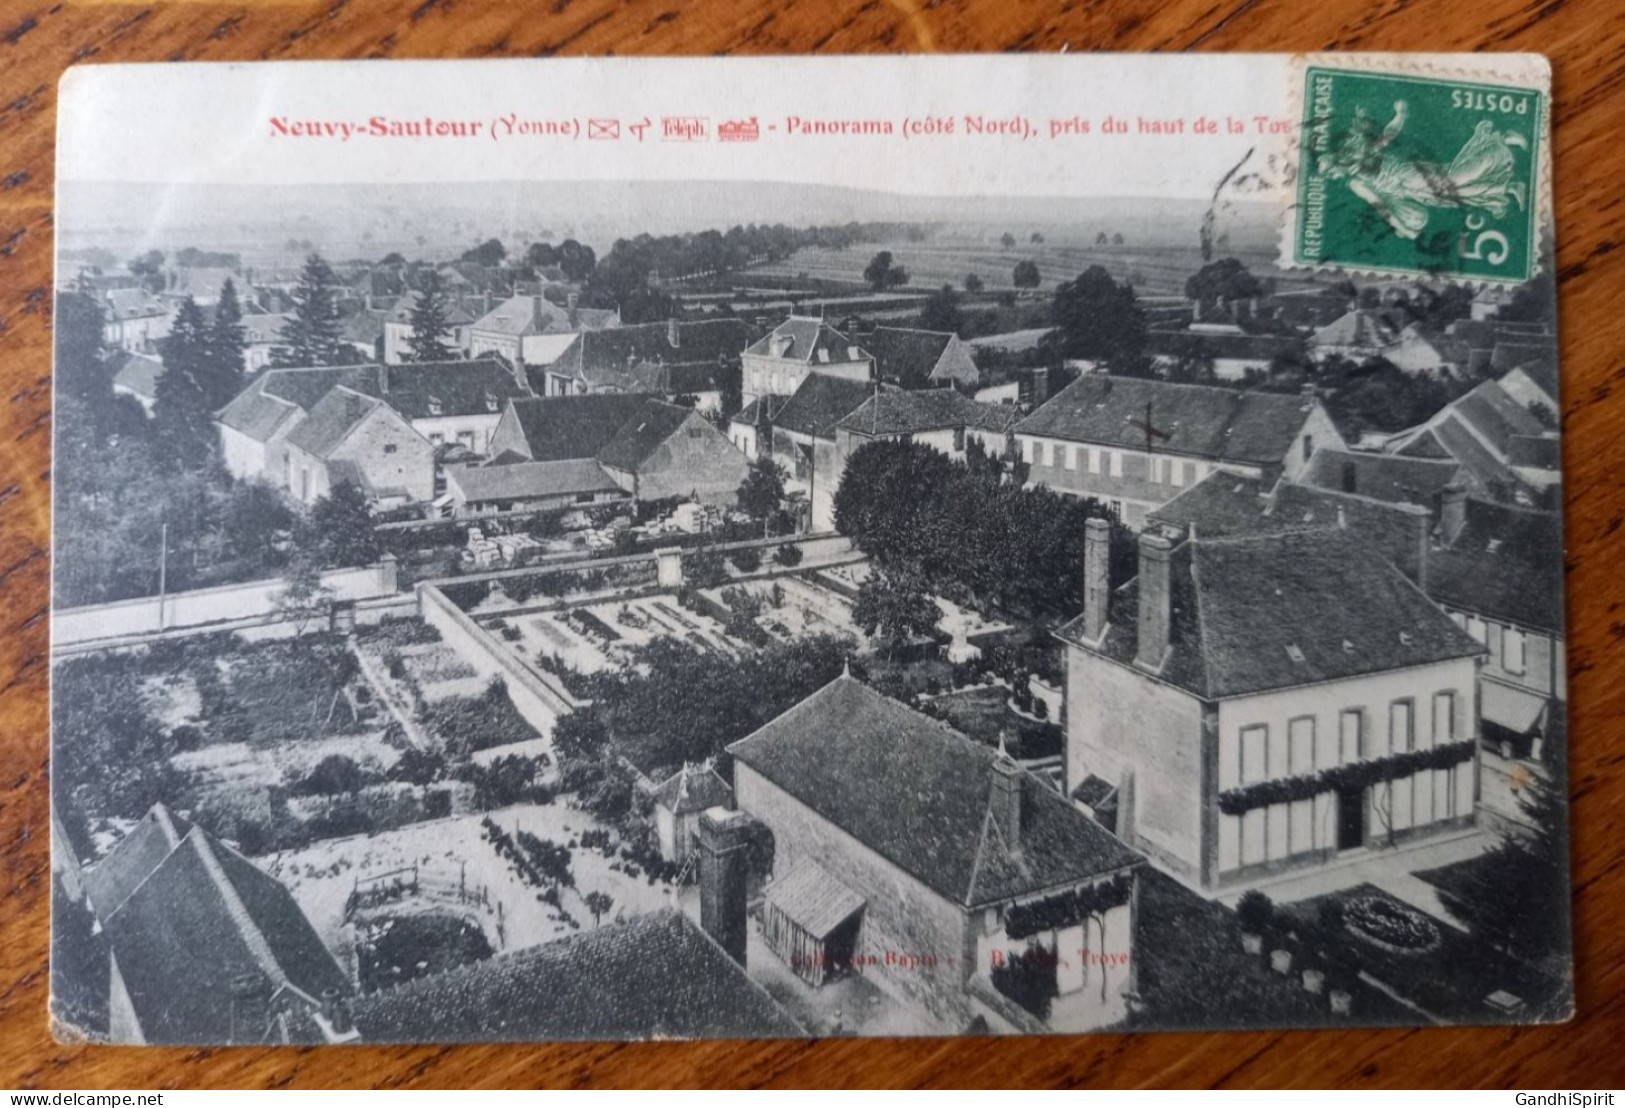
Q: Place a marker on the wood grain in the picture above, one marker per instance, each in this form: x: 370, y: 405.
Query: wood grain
x: 1587, y: 44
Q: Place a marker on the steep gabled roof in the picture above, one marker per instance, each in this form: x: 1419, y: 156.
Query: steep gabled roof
x: 134, y: 303
x: 706, y: 340
x: 1360, y: 327
x: 426, y: 390
x: 917, y: 792
x: 558, y: 427
x: 680, y: 378
x: 203, y: 919
x: 525, y: 315
x: 654, y: 976
x: 331, y: 421
x: 899, y: 413
x: 694, y: 788
x: 1239, y: 603
x: 1199, y: 420
x: 810, y: 342
x: 638, y: 437
x: 136, y: 373
x: 906, y: 355
x: 1505, y: 564
x: 132, y: 861
x: 820, y: 403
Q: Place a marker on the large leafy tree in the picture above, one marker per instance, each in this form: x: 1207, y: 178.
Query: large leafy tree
x: 1223, y: 280
x: 762, y: 491
x: 882, y: 272
x: 1099, y: 319
x: 343, y: 525
x: 311, y: 336
x: 1025, y: 275
x: 429, y: 327
x: 183, y: 427
x: 941, y: 311
x: 893, y: 604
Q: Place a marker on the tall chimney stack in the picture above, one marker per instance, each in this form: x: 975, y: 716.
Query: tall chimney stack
x: 1040, y: 385
x: 1097, y: 540
x: 723, y: 868
x: 1005, y: 798
x: 1452, y: 512
x: 1155, y: 601
x: 674, y: 333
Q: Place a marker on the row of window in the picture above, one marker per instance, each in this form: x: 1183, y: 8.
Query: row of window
x: 1263, y: 753
x: 1163, y: 469
x: 1510, y: 646
x: 1282, y: 831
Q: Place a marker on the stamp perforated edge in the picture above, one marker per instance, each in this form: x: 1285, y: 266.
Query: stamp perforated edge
x: 1528, y: 71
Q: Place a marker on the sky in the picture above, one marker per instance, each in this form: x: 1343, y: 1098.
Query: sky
x: 233, y: 123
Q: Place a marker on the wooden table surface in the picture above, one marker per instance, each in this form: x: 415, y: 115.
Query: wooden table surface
x: 1586, y: 42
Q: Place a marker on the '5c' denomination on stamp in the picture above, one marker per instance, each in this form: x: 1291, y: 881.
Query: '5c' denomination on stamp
x: 1419, y: 172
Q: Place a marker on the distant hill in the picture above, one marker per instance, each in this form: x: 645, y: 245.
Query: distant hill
x: 349, y: 221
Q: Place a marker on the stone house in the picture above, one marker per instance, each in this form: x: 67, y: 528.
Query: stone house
x: 1265, y: 702
x: 135, y: 320
x: 1133, y: 443
x: 906, y: 852
x: 778, y: 362
x: 678, y: 802
x: 350, y: 436
x: 207, y: 948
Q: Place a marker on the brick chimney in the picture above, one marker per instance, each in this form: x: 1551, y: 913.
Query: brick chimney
x: 1452, y: 512
x: 1155, y: 601
x: 336, y: 1010
x: 723, y: 869
x: 1097, y: 539
x: 572, y: 308
x: 674, y: 334
x: 1004, y: 799
x: 1040, y: 385
x: 383, y: 378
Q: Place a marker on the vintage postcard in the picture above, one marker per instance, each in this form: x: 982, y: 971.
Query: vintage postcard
x: 624, y: 549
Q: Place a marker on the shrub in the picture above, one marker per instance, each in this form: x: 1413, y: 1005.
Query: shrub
x: 1255, y: 912
x: 333, y: 774
x: 748, y: 560
x: 789, y: 555
x: 1029, y: 978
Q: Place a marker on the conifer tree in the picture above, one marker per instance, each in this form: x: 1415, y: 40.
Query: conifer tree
x: 429, y: 327
x: 226, y: 342
x: 311, y: 337
x: 183, y: 428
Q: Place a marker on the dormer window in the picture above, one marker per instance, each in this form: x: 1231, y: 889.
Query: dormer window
x: 491, y: 404
x: 435, y: 407
x: 852, y: 353
x: 823, y: 353
x: 1293, y: 652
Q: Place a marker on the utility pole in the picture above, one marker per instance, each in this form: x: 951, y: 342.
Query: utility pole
x: 163, y: 569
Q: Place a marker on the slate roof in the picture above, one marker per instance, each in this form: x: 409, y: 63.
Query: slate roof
x: 917, y: 792
x: 650, y: 426
x: 820, y: 403
x: 809, y: 336
x: 1201, y: 421
x: 1238, y: 603
x: 1535, y: 452
x: 363, y: 326
x: 330, y: 422
x: 1506, y: 564
x: 680, y: 378
x: 653, y: 976
x: 525, y: 315
x: 462, y: 388
x: 136, y: 303
x: 1543, y: 372
x: 524, y: 479
x: 907, y: 355
x: 760, y: 412
x: 1390, y: 477
x: 705, y: 340
x: 1362, y: 327
x: 694, y: 789
x: 559, y: 427
x: 203, y: 918
x: 132, y: 861
x: 1495, y: 415
x: 899, y: 413
x: 136, y: 373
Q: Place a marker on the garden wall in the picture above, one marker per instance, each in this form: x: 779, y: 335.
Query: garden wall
x: 537, y: 696
x: 254, y: 600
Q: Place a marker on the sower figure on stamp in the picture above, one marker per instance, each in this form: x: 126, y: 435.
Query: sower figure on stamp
x: 1402, y: 191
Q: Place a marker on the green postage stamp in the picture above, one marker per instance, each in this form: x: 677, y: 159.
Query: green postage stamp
x: 1416, y: 172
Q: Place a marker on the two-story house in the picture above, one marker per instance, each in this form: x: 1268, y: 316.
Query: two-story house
x: 135, y: 320
x: 910, y: 854
x: 399, y: 331
x: 515, y: 325
x: 1133, y: 443
x: 778, y: 362
x: 1259, y: 703
x: 671, y: 358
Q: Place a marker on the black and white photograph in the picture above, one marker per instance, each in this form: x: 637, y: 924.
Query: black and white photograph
x: 620, y: 550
